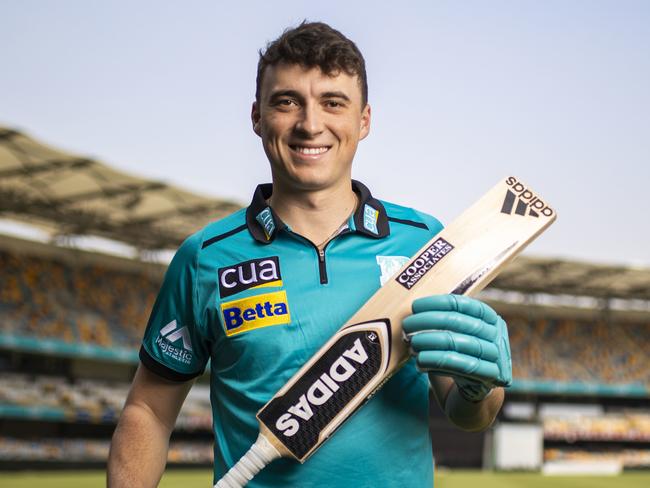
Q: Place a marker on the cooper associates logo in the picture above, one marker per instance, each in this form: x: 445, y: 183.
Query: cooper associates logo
x: 423, y: 263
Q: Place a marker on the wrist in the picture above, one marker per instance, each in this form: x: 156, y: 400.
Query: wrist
x: 472, y: 391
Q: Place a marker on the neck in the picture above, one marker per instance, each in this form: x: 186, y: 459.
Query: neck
x: 315, y: 215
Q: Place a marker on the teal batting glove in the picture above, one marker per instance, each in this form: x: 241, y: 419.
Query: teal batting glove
x: 461, y: 337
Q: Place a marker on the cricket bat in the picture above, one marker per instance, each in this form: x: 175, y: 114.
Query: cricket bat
x: 363, y: 354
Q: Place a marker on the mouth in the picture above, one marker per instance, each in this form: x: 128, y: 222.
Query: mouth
x: 309, y: 151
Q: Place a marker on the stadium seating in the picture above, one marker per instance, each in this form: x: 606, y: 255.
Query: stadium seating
x: 624, y: 426
x: 98, y: 305
x: 91, y: 304
x: 573, y: 350
x: 629, y: 458
x: 86, y: 400
x: 85, y: 450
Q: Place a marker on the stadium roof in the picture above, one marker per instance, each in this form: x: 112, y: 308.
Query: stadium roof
x: 563, y: 277
x: 70, y: 194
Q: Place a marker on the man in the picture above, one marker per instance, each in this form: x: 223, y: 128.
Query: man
x: 261, y: 290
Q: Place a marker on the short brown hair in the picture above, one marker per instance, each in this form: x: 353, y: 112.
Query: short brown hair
x: 315, y: 44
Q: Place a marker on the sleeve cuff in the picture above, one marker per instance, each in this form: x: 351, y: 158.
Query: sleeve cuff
x: 161, y: 370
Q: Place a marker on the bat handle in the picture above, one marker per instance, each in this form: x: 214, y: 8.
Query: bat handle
x: 259, y: 455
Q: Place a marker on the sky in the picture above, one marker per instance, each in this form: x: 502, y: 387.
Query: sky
x: 463, y: 93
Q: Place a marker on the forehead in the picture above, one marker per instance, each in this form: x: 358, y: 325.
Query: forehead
x: 308, y: 81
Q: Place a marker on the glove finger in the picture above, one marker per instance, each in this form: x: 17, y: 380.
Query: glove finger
x: 453, y: 341
x: 456, y: 303
x: 454, y: 363
x: 453, y: 321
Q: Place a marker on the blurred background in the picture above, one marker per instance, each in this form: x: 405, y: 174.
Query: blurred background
x: 125, y: 126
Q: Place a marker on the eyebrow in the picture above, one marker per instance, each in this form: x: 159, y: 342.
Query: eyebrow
x: 295, y: 94
x: 336, y: 94
x: 284, y: 93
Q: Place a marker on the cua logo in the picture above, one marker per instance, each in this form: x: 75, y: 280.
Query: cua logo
x: 249, y: 274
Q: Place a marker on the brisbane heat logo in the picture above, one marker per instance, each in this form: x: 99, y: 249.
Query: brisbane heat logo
x: 521, y: 201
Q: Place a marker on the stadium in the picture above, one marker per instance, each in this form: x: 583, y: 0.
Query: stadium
x: 72, y: 320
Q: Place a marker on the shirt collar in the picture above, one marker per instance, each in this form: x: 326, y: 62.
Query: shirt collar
x: 264, y: 224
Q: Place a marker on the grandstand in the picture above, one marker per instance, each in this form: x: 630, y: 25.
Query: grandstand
x: 71, y: 321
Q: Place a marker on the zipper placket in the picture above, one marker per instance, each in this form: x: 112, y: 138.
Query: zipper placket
x: 322, y: 265
x: 322, y: 268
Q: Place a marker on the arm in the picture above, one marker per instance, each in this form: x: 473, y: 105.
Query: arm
x: 469, y: 416
x: 138, y: 452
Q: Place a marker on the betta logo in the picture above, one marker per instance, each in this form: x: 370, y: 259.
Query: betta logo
x: 249, y: 274
x: 255, y: 312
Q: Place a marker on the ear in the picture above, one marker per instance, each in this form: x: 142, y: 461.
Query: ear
x: 364, y: 128
x: 255, y: 118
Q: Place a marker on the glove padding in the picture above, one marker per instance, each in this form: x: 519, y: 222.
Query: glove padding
x: 462, y: 337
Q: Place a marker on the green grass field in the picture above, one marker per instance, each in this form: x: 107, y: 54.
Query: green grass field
x: 444, y: 479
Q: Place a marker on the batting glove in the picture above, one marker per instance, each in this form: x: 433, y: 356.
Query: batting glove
x: 461, y: 337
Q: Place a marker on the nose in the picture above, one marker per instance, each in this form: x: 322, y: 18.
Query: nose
x: 310, y: 122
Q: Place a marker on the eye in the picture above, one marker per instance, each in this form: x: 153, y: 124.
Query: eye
x: 333, y: 104
x: 285, y: 102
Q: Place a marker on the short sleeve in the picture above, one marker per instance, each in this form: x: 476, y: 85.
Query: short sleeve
x: 433, y: 224
x: 173, y: 346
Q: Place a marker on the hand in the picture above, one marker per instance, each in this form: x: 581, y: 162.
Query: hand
x: 461, y: 337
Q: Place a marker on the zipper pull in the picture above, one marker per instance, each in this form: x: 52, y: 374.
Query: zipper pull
x: 322, y: 270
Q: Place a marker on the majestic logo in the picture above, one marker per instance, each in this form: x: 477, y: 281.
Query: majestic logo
x: 169, y: 335
x: 265, y: 219
x: 527, y: 202
x: 423, y: 263
x: 389, y: 265
x: 255, y: 312
x: 249, y: 274
x: 370, y: 216
x: 322, y: 389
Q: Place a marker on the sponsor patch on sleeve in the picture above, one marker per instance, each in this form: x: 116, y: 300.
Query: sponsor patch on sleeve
x: 255, y: 312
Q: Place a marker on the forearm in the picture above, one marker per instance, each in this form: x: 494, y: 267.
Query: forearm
x: 138, y: 451
x: 469, y: 416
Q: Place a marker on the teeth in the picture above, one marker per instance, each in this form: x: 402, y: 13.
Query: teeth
x: 311, y: 150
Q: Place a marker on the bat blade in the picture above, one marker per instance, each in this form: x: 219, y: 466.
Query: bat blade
x: 361, y: 356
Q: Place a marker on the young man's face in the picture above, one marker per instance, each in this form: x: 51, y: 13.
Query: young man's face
x: 310, y: 124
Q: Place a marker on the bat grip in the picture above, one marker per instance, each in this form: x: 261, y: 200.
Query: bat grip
x: 259, y: 455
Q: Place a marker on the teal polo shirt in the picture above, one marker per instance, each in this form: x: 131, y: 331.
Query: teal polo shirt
x: 258, y: 300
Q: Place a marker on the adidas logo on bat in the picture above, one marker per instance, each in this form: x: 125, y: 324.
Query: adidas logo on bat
x: 522, y: 201
x: 322, y: 389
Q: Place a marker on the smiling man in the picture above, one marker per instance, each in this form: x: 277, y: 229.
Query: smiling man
x: 258, y: 292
